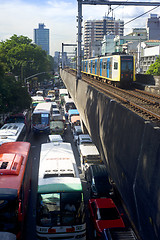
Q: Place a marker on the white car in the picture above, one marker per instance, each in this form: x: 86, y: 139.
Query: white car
x: 56, y: 114
x: 54, y: 105
x: 83, y: 139
x: 77, y: 130
x: 55, y: 138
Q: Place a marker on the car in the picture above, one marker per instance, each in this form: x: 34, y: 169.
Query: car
x: 75, y: 121
x: 54, y: 105
x: 56, y: 115
x: 55, y: 138
x: 98, y: 180
x: 82, y: 140
x: 57, y: 127
x: 77, y: 130
x: 104, y: 214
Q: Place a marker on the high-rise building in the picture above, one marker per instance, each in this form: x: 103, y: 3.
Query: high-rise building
x: 41, y: 37
x: 153, y: 27
x: 94, y: 30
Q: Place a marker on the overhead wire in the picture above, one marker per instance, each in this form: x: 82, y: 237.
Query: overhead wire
x: 141, y: 15
x: 112, y: 9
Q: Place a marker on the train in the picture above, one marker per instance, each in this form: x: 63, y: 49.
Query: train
x: 117, y: 69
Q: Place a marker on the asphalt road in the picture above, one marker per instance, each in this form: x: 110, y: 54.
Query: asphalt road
x: 36, y: 141
x: 30, y: 226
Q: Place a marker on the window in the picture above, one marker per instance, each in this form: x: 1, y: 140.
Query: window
x: 115, y: 65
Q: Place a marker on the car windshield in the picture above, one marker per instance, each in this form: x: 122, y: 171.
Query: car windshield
x: 107, y: 214
x: 56, y: 112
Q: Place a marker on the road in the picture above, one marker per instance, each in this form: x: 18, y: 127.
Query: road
x: 30, y: 226
x: 36, y: 141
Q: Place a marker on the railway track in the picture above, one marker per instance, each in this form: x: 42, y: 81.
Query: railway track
x: 146, y: 105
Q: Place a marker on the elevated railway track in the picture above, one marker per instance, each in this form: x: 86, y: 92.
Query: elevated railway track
x: 146, y: 105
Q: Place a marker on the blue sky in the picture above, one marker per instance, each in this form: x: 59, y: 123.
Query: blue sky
x: 22, y: 16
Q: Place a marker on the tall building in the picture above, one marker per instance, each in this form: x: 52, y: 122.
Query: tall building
x: 94, y: 30
x: 41, y: 37
x: 153, y: 27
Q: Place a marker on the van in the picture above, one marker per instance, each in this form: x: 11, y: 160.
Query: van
x: 98, y: 180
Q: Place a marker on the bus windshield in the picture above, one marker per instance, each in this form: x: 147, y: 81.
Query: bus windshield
x: 41, y: 118
x: 60, y: 209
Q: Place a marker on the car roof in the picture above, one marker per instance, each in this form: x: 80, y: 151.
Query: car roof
x: 104, y: 203
x: 85, y: 136
x: 98, y: 170
x: 77, y: 128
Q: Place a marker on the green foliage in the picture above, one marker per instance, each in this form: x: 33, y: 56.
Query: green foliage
x: 154, y: 69
x: 20, y: 57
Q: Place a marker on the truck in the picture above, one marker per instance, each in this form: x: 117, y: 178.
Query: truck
x: 118, y: 234
x: 88, y: 152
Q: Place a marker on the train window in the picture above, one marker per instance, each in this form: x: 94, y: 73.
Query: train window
x: 104, y: 65
x: 115, y: 65
x: 93, y: 65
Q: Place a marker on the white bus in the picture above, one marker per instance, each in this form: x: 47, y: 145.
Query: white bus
x: 12, y: 132
x: 41, y: 117
x: 60, y: 205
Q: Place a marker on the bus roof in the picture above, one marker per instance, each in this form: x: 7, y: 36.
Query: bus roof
x: 68, y: 100
x: 57, y: 159
x: 59, y: 184
x: 63, y: 91
x: 37, y: 98
x: 43, y: 107
x: 10, y: 132
x: 73, y: 112
x: 13, y: 159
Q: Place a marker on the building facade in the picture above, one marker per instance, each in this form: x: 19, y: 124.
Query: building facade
x: 41, y: 37
x: 94, y: 30
x: 153, y: 27
x: 137, y: 34
x: 148, y: 53
x: 107, y: 44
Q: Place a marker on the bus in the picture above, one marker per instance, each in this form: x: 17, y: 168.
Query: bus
x: 60, y: 212
x: 15, y: 181
x: 21, y: 117
x: 12, y: 132
x: 41, y: 117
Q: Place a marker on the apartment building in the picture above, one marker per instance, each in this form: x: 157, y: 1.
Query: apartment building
x: 94, y: 30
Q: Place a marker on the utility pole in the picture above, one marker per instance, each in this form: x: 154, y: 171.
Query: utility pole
x: 80, y: 19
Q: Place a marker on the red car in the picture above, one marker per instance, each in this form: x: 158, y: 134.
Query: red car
x: 104, y: 214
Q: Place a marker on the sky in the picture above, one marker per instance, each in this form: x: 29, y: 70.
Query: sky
x: 21, y: 17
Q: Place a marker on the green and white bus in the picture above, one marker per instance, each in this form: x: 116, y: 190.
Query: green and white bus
x: 60, y: 205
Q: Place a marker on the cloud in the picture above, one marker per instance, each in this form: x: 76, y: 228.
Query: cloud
x: 18, y: 17
x: 22, y: 16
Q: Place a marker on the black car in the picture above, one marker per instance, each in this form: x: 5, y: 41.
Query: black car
x: 98, y: 180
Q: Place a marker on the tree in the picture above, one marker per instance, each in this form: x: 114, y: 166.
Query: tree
x: 20, y: 57
x: 23, y: 58
x: 154, y: 69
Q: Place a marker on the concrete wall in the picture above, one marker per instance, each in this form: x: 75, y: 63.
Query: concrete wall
x: 130, y: 148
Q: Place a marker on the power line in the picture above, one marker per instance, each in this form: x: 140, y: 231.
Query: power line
x: 141, y: 15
